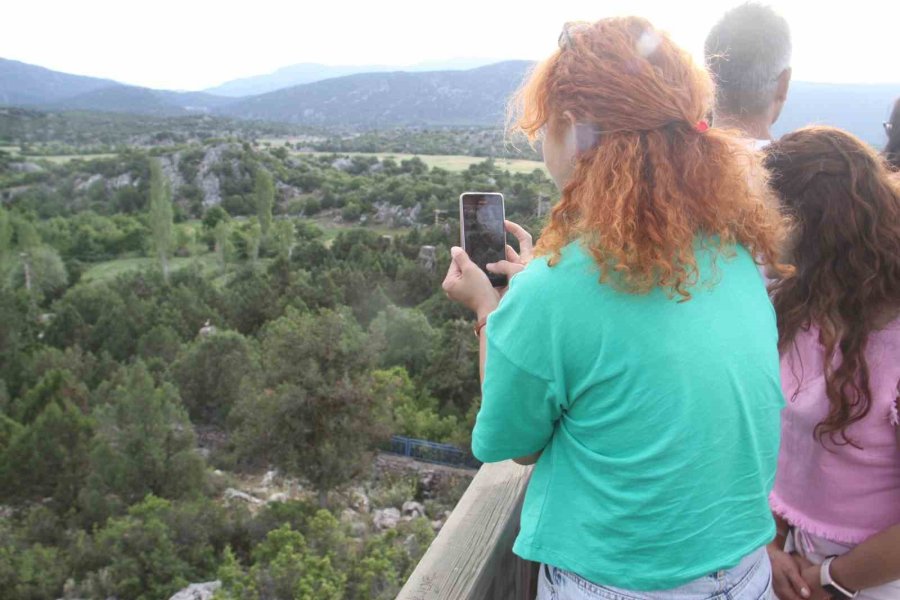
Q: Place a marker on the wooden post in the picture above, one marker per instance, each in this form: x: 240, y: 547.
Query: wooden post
x: 471, y: 558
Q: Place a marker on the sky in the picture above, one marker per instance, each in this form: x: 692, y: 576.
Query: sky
x: 196, y: 44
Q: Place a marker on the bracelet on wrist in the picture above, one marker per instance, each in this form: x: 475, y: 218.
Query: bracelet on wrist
x: 479, y: 325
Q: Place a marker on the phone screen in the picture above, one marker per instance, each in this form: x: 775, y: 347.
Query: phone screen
x: 483, y: 233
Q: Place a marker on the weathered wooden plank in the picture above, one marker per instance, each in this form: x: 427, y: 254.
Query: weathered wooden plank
x: 471, y: 558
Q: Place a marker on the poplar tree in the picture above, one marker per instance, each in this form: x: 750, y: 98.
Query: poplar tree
x: 264, y: 190
x: 161, y: 216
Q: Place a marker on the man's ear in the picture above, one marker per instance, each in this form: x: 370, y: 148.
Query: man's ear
x: 784, y: 82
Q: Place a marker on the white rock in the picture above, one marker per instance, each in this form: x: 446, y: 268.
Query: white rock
x: 198, y: 591
x: 233, y: 494
x: 413, y: 509
x: 278, y: 497
x: 386, y: 518
x: 269, y: 477
x: 121, y: 181
x: 83, y: 185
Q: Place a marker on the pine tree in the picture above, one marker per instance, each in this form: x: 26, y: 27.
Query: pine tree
x: 161, y: 216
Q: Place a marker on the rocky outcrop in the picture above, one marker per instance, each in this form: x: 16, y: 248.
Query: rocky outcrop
x: 83, y: 184
x: 285, y: 191
x: 123, y: 180
x: 26, y: 167
x: 412, y: 509
x: 427, y: 258
x: 198, y: 591
x: 386, y: 518
x: 343, y: 163
x: 393, y: 215
x: 169, y: 165
x: 232, y: 494
x: 207, y: 180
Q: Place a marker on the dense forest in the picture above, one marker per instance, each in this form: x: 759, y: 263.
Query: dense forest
x: 205, y: 344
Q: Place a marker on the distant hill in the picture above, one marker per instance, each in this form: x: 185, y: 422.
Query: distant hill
x: 479, y: 96
x: 22, y: 84
x: 27, y: 85
x: 389, y: 99
x: 140, y: 100
x: 372, y: 100
x: 310, y: 72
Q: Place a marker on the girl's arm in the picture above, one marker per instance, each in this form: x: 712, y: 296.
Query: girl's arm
x: 872, y: 563
x: 782, y: 527
x: 482, y: 351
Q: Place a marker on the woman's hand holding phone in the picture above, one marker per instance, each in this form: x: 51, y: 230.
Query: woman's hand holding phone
x: 515, y: 261
x: 466, y: 284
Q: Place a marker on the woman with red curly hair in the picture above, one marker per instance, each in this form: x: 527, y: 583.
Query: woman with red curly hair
x: 837, y: 492
x: 635, y: 358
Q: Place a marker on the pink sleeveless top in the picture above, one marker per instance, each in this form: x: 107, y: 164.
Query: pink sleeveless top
x: 841, y: 493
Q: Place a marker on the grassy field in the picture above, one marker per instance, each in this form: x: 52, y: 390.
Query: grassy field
x: 64, y: 158
x: 54, y: 158
x: 332, y: 229
x: 104, y: 271
x: 207, y: 261
x: 451, y: 162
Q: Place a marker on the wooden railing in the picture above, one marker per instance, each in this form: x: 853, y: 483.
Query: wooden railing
x: 471, y: 558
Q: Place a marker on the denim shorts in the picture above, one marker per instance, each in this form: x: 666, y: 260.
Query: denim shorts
x: 751, y: 579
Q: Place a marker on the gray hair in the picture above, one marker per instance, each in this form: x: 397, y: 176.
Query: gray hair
x: 745, y: 52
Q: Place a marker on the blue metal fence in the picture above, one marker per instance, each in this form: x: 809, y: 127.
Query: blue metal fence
x: 432, y: 452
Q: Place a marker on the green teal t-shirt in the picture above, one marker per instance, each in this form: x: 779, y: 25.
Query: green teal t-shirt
x: 659, y: 419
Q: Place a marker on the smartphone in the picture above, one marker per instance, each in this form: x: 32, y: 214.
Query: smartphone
x: 482, y: 232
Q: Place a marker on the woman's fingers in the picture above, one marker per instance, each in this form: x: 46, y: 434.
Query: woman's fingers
x: 787, y: 579
x: 454, y: 273
x: 512, y: 255
x: 783, y: 587
x: 798, y: 583
x: 525, y: 242
x: 505, y: 267
x: 467, y: 284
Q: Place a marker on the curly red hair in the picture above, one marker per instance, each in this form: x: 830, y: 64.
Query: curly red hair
x: 640, y: 197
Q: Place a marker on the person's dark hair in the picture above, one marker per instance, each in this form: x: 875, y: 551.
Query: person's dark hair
x: 892, y: 150
x: 745, y: 52
x: 846, y: 251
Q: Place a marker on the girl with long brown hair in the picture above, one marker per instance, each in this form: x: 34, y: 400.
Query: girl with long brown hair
x: 837, y: 492
x: 634, y: 359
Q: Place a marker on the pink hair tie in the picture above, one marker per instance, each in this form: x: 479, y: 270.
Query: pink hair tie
x: 702, y: 126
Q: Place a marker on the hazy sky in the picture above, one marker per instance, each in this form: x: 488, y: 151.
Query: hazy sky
x: 194, y: 44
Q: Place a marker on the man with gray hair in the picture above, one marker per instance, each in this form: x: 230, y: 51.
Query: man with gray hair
x: 748, y: 53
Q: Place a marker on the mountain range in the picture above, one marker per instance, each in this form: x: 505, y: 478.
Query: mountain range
x: 309, y: 72
x: 381, y: 99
